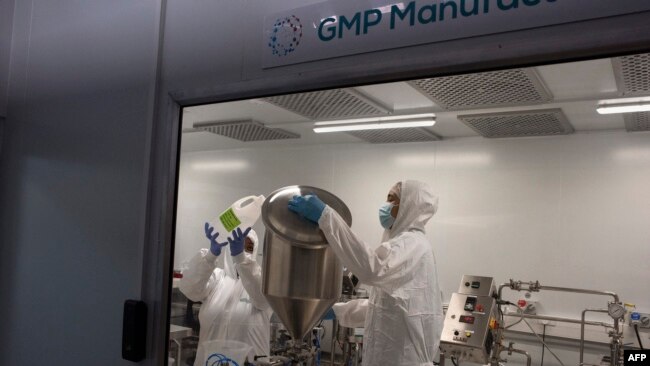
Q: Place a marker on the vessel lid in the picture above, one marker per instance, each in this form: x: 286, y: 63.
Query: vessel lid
x: 290, y: 226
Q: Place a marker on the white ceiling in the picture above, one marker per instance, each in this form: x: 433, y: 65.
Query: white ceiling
x: 576, y: 87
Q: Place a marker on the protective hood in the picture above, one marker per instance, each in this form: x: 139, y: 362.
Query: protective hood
x: 417, y: 205
x: 229, y: 265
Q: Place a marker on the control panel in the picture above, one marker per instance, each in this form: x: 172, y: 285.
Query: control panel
x: 477, y: 285
x: 640, y: 319
x: 471, y: 321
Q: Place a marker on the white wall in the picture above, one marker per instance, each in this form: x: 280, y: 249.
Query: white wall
x: 568, y: 211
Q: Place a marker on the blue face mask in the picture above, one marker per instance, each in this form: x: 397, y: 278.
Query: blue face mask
x: 385, y: 218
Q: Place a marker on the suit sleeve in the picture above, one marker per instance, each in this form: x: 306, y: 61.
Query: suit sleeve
x: 389, y: 266
x: 250, y: 274
x: 200, y: 278
x: 351, y: 314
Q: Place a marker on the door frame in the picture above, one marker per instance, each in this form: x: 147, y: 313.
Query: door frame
x: 593, y: 39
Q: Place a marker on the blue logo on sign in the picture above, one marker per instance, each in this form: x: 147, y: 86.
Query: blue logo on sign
x: 285, y: 35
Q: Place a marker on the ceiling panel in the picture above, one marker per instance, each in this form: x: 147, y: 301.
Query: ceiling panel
x: 583, y: 117
x: 329, y: 104
x: 540, y: 122
x: 576, y: 88
x: 254, y: 109
x: 246, y: 130
x: 637, y: 122
x: 577, y: 80
x: 487, y: 89
x: 633, y: 74
x: 398, y: 96
x: 396, y: 135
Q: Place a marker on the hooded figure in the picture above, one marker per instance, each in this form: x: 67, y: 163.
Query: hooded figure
x: 234, y: 307
x: 403, y: 317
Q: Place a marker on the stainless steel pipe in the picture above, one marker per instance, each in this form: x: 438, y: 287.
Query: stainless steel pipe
x: 335, y: 329
x: 512, y: 350
x: 535, y: 286
x: 582, y: 331
x: 581, y: 291
x: 558, y: 319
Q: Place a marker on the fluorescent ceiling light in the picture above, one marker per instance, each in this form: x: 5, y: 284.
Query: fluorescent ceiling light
x: 220, y: 165
x: 377, y: 119
x: 377, y: 126
x: 623, y: 108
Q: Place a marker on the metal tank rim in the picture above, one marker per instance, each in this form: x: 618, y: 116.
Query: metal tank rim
x: 347, y: 216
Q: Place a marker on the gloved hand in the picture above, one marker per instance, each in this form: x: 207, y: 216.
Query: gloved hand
x: 329, y: 315
x: 215, y: 246
x: 237, y: 241
x: 309, y: 207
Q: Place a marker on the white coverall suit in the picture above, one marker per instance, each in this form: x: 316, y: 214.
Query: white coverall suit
x: 234, y: 307
x: 403, y: 317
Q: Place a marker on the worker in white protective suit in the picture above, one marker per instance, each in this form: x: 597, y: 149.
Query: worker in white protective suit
x: 403, y: 317
x: 234, y: 307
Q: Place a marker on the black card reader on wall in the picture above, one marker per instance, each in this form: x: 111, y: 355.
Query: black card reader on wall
x: 134, y: 330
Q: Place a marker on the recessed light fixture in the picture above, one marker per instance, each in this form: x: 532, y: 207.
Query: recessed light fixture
x: 376, y: 123
x: 376, y: 119
x: 623, y: 108
x: 220, y: 165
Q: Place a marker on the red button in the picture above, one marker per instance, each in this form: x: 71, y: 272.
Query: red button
x: 479, y: 308
x: 521, y: 303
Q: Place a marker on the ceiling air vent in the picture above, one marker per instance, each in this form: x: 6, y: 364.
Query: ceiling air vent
x: 542, y: 122
x: 484, y: 90
x: 247, y: 130
x: 393, y: 135
x: 632, y: 74
x: 635, y: 122
x: 329, y: 104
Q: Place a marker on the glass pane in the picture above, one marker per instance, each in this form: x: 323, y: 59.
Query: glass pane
x: 533, y: 183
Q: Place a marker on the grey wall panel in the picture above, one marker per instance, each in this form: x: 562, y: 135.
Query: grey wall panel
x: 6, y: 22
x: 2, y: 129
x: 205, y: 40
x: 74, y: 178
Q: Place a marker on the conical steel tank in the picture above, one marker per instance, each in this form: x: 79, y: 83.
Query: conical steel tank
x: 301, y: 275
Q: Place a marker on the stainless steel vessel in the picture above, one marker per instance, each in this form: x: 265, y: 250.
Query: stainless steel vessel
x: 301, y: 277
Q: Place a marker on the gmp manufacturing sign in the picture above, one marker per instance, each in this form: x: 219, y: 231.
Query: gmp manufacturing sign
x: 343, y: 27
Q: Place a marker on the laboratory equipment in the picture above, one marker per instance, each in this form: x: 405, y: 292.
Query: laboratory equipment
x: 474, y: 324
x: 471, y: 321
x: 273, y: 361
x: 615, y: 309
x: 349, y: 340
x: 301, y: 275
x: 243, y: 213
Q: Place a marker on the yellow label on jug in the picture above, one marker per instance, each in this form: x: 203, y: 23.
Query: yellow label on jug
x: 229, y: 220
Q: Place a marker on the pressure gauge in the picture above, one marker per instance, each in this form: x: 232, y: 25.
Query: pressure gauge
x: 616, y: 311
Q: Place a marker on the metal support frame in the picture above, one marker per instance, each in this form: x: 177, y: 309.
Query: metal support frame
x: 615, y: 334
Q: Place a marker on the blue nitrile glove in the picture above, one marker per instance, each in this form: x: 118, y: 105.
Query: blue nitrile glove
x: 215, y: 246
x: 237, y: 241
x: 309, y: 207
x: 329, y: 315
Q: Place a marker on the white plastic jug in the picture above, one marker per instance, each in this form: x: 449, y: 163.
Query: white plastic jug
x: 243, y: 214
